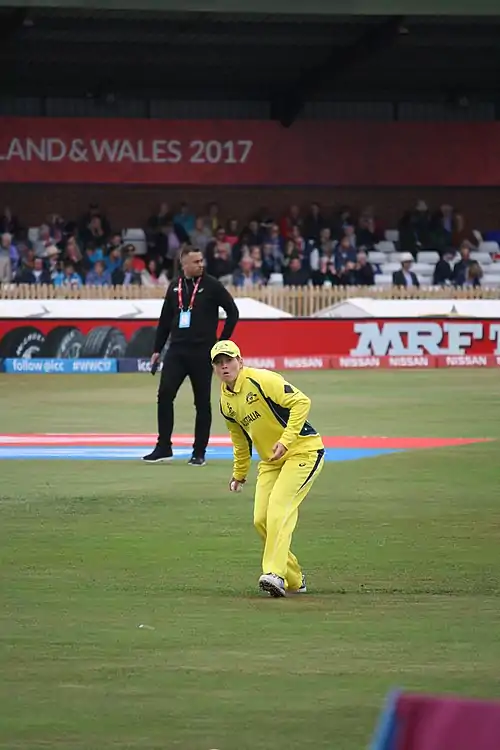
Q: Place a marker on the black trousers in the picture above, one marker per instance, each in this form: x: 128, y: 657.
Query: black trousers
x: 177, y: 366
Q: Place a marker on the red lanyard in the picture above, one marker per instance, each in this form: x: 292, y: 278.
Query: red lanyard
x: 179, y: 293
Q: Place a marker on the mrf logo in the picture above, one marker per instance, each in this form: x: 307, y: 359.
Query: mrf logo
x: 416, y: 338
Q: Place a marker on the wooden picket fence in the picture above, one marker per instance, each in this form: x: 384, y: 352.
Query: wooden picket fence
x: 299, y: 301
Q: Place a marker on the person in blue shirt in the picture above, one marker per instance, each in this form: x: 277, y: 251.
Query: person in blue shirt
x: 68, y: 277
x: 99, y: 276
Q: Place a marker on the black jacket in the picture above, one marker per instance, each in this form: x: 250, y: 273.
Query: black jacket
x: 204, y: 316
x: 398, y: 278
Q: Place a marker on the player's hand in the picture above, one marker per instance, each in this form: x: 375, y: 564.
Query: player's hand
x: 279, y: 451
x: 235, y: 485
x: 155, y: 362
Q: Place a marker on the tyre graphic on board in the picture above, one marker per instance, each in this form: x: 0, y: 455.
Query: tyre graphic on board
x: 25, y: 342
x: 141, y: 344
x: 104, y: 342
x: 63, y: 342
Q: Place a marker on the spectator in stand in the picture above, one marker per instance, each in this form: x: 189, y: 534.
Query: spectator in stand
x: 56, y: 225
x: 246, y: 274
x: 295, y: 275
x: 439, y: 236
x: 443, y: 271
x: 94, y: 233
x: 98, y: 276
x: 68, y: 277
x: 212, y: 219
x: 34, y: 272
x: 290, y: 252
x: 167, y: 247
x: 269, y: 263
x: 53, y: 262
x: 314, y: 223
x: 367, y: 235
x: 232, y: 234
x: 461, y: 234
x: 298, y: 240
x: 221, y: 263
x: 256, y: 256
x: 405, y: 277
x: 218, y: 249
x: 364, y: 274
x: 114, y: 260
x: 9, y: 224
x: 153, y: 276
x: 115, y: 242
x: 408, y: 239
x: 460, y: 269
x: 125, y: 274
x: 91, y: 257
x: 421, y: 220
x: 43, y: 241
x: 9, y: 250
x: 138, y: 262
x: 201, y: 235
x: 185, y: 218
x: 326, y: 275
x: 95, y: 211
x: 344, y: 253
x: 253, y: 233
x: 473, y: 275
x: 324, y: 249
x: 292, y: 219
x: 73, y: 255
x: 276, y: 241
x: 158, y: 219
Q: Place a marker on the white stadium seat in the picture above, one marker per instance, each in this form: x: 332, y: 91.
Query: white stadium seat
x: 484, y: 259
x: 490, y: 280
x: 395, y: 258
x: 33, y: 234
x: 382, y: 279
x: 425, y: 280
x: 392, y: 235
x: 428, y: 256
x: 425, y: 269
x: 488, y: 247
x: 374, y: 256
x: 137, y: 238
x: 276, y: 279
x: 385, y: 247
x: 390, y: 267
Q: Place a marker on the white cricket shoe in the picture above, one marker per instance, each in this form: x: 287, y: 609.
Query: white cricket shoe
x: 273, y: 584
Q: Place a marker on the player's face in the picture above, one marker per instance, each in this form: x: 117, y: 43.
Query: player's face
x: 227, y: 368
x: 192, y: 264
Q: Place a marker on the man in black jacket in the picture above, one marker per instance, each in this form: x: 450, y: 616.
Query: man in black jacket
x: 405, y: 277
x: 190, y: 316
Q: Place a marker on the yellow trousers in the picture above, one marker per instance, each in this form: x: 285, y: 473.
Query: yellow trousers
x: 279, y: 492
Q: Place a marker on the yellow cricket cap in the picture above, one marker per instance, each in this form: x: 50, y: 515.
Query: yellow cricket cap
x: 228, y: 348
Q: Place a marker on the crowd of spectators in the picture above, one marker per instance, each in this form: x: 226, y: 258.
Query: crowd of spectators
x: 299, y: 248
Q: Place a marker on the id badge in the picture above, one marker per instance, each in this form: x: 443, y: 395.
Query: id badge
x: 185, y: 319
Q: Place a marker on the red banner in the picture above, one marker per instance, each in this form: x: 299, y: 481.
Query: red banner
x: 242, y: 152
x: 286, y: 344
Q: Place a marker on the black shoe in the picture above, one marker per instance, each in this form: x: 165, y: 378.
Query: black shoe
x: 197, y: 461
x: 159, y: 456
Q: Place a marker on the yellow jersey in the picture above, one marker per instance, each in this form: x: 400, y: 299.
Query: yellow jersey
x: 263, y: 409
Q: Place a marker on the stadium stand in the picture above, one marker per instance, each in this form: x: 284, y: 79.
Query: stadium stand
x: 301, y: 248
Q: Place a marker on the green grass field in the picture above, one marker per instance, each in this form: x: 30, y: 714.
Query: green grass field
x: 402, y: 554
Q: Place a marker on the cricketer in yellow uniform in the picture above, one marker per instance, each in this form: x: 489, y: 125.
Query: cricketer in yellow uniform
x: 262, y: 409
